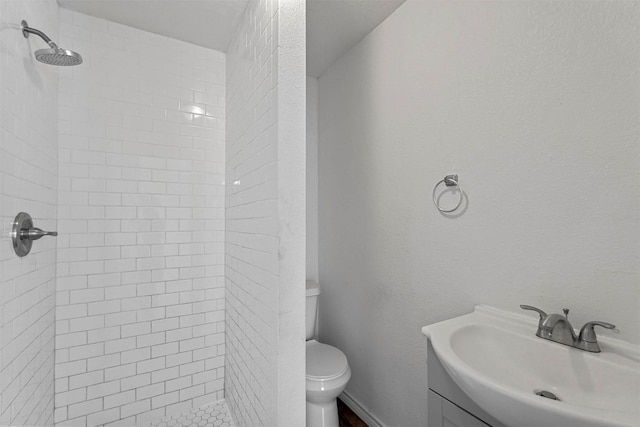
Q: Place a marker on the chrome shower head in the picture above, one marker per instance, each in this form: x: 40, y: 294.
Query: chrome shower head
x: 54, y: 55
x: 57, y: 56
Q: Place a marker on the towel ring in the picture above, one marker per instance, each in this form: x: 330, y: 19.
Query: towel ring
x: 449, y: 181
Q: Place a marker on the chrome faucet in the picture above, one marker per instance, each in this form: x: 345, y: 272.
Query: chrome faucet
x: 556, y: 327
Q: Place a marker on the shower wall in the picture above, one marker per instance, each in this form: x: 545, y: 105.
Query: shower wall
x: 265, y: 216
x: 140, y: 295
x: 28, y: 170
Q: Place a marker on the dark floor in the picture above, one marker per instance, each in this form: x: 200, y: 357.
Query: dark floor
x: 347, y: 418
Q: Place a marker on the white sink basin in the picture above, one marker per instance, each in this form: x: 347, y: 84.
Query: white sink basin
x: 496, y: 359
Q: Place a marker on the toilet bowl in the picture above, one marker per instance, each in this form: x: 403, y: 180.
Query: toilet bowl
x: 328, y: 371
x: 327, y: 375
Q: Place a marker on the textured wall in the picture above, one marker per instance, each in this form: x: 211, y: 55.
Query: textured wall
x: 140, y: 296
x: 28, y: 182
x: 535, y: 106
x: 312, y: 179
x: 265, y: 247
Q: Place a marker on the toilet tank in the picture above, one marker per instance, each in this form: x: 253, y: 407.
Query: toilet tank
x: 311, y: 313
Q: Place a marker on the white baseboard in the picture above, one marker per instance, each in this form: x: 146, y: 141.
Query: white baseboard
x: 364, y: 414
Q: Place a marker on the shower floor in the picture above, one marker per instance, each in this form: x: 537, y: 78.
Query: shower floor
x: 212, y: 415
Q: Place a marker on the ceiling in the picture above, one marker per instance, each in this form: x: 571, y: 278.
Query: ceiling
x: 333, y: 26
x: 208, y: 23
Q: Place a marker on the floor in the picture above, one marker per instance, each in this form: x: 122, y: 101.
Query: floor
x: 212, y: 415
x: 347, y: 417
x: 217, y: 415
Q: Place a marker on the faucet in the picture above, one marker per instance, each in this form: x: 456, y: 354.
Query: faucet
x: 556, y: 327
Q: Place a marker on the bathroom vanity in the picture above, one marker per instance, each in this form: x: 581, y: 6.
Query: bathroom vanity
x: 447, y: 404
x: 490, y: 367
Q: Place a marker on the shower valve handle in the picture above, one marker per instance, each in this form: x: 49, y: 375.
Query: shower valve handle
x: 23, y: 234
x: 34, y: 233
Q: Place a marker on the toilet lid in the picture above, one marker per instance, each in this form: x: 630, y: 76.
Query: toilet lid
x: 324, y: 361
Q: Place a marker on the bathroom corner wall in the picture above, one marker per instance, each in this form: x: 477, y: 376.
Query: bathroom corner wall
x: 535, y: 106
x: 28, y: 182
x: 265, y: 216
x: 140, y: 295
x: 312, y: 179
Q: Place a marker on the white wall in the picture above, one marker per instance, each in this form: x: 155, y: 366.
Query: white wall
x: 28, y: 182
x: 535, y: 106
x: 265, y: 216
x: 312, y: 179
x: 140, y: 296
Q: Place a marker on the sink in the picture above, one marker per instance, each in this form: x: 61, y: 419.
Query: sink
x: 525, y: 381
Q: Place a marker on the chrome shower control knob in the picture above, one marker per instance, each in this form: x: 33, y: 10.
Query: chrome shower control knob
x: 34, y: 233
x: 24, y: 233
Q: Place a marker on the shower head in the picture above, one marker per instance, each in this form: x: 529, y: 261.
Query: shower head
x: 54, y: 55
x: 57, y: 56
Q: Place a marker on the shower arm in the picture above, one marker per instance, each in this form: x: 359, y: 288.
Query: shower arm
x: 26, y: 30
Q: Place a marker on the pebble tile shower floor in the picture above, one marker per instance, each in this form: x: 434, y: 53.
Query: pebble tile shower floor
x: 213, y: 415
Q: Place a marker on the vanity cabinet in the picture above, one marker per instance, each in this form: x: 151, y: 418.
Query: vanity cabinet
x: 447, y: 404
x: 444, y: 413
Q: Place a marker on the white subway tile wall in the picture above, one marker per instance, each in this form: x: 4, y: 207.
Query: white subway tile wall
x: 140, y: 291
x: 252, y: 218
x: 28, y: 182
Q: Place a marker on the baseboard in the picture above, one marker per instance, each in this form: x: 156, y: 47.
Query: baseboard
x: 364, y: 414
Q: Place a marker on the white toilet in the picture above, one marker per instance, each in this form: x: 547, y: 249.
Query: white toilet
x: 328, y: 371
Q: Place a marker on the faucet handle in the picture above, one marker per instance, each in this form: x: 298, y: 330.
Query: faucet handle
x: 589, y: 335
x: 542, y: 314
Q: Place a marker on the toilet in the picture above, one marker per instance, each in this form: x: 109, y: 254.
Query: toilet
x: 328, y: 371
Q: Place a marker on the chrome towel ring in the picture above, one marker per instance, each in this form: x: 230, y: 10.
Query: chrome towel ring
x: 449, y: 181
